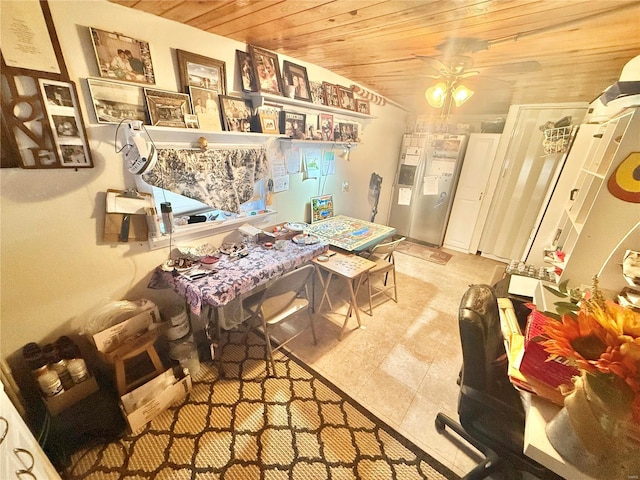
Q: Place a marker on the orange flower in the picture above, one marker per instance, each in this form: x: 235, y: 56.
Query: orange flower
x: 604, y: 338
x: 581, y: 339
x: 616, y: 319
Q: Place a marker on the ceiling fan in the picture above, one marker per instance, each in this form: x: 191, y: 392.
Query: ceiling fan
x: 454, y: 66
x: 453, y: 63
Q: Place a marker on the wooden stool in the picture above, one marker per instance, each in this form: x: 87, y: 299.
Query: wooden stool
x: 129, y: 350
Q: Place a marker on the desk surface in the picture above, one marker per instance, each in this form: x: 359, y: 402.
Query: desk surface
x: 347, y: 266
x: 239, y: 276
x: 350, y: 234
x: 537, y: 445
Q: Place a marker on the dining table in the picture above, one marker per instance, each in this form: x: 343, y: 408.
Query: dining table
x: 236, y: 275
x: 350, y: 234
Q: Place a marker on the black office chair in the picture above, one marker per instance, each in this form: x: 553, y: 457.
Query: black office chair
x: 489, y: 408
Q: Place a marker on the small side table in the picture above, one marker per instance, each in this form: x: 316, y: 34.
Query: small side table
x: 352, y: 269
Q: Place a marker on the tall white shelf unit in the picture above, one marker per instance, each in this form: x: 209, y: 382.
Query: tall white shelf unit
x: 595, y: 221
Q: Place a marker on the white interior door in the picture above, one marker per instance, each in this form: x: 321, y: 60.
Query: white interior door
x: 465, y: 216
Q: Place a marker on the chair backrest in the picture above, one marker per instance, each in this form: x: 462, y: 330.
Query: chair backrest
x: 291, y: 284
x: 484, y: 362
x: 385, y: 250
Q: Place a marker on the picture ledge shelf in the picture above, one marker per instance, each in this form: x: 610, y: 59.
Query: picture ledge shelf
x: 188, y: 137
x: 259, y: 98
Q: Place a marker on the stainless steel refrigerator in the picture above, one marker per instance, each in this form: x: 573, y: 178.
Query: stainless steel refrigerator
x: 425, y: 184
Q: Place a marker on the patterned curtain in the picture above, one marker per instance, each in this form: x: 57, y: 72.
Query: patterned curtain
x: 223, y: 178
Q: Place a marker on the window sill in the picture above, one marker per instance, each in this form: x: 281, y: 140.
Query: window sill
x: 186, y: 233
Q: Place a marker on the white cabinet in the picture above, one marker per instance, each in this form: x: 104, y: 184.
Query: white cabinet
x: 21, y: 454
x: 595, y: 221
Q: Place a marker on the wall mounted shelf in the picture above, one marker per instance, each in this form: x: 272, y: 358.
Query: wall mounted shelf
x: 188, y: 137
x: 259, y: 99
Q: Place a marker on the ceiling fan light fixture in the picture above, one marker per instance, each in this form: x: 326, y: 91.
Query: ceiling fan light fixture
x: 436, y: 94
x: 461, y: 94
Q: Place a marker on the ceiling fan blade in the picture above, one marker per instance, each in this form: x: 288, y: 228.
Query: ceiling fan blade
x: 459, y: 45
x: 528, y: 66
x: 471, y: 73
x: 436, y: 64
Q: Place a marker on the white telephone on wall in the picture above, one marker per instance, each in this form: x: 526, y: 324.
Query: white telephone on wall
x: 139, y: 156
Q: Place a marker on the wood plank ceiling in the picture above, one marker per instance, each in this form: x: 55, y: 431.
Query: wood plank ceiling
x: 526, y: 51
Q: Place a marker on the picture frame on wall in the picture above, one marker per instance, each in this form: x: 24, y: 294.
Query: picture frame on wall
x: 236, y: 113
x: 65, y: 119
x: 331, y: 94
x: 114, y: 102
x: 203, y: 72
x: 347, y: 101
x: 268, y: 123
x: 167, y: 109
x: 292, y: 124
x: 245, y: 71
x: 321, y: 207
x: 122, y: 58
x: 363, y: 106
x: 296, y: 76
x: 266, y: 70
x: 326, y: 127
x: 346, y: 132
x: 317, y: 93
x: 206, y: 106
x: 311, y: 130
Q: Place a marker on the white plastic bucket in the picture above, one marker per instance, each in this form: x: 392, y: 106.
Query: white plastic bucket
x: 175, y: 314
x: 187, y: 354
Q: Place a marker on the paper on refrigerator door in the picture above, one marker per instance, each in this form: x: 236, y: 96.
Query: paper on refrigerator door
x: 430, y: 185
x: 442, y: 167
x: 412, y: 156
x: 404, y: 196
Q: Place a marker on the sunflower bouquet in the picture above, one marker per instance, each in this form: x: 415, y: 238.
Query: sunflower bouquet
x: 601, y: 339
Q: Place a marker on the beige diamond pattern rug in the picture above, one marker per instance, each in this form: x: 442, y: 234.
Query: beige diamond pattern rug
x: 247, y: 425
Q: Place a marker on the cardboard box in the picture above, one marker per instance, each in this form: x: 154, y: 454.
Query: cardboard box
x: 69, y: 397
x: 111, y: 338
x: 145, y: 403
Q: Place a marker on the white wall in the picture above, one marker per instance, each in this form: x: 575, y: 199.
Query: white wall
x: 55, y: 269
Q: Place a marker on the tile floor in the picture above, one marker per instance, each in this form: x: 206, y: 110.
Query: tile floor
x: 403, y: 363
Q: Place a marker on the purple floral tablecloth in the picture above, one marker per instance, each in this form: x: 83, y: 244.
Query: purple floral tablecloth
x: 237, y: 276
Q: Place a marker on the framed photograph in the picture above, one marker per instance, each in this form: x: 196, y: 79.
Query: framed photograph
x: 206, y: 106
x: 317, y: 93
x: 292, y: 124
x: 122, y: 58
x: 331, y: 94
x: 347, y: 102
x: 191, y: 121
x: 202, y: 72
x: 114, y: 101
x: 349, y: 132
x: 321, y: 207
x: 266, y: 70
x: 236, y: 113
x: 363, y: 106
x: 326, y: 127
x: 245, y: 71
x: 311, y: 129
x: 69, y: 137
x: 167, y: 109
x: 296, y: 77
x: 268, y: 123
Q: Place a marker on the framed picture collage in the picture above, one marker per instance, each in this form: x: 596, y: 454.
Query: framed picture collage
x: 126, y: 91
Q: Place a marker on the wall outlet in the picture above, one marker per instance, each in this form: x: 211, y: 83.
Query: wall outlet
x: 345, y: 186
